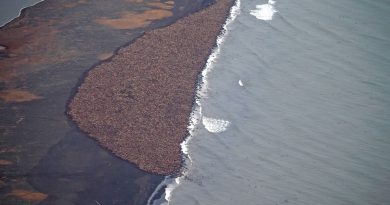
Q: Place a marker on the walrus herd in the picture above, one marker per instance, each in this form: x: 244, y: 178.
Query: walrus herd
x: 137, y: 103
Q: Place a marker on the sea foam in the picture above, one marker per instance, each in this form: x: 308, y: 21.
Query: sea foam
x: 264, y: 12
x: 215, y: 125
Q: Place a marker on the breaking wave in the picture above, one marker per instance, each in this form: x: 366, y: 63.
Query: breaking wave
x: 264, y: 12
x: 215, y: 125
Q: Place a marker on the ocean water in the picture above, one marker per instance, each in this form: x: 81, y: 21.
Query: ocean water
x: 294, y: 108
x: 10, y: 9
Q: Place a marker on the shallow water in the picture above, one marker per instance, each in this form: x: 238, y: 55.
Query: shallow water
x: 306, y: 93
x: 10, y: 9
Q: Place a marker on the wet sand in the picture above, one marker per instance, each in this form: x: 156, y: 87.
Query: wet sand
x: 138, y: 103
x: 44, y: 157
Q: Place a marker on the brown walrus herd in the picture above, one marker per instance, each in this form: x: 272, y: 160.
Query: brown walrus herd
x: 137, y: 104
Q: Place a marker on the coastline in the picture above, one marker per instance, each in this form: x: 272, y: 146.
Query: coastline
x: 170, y: 183
x: 138, y: 108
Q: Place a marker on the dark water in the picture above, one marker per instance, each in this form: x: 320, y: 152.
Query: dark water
x: 311, y: 123
x: 78, y: 171
x: 10, y: 9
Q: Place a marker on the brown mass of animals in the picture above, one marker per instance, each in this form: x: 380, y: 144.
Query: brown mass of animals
x: 137, y: 104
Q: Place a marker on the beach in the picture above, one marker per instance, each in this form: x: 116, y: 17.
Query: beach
x: 46, y: 53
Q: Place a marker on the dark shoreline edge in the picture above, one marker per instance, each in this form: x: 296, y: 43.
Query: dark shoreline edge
x: 82, y: 80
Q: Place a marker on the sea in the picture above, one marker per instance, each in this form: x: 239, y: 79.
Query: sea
x: 293, y: 107
x: 10, y: 9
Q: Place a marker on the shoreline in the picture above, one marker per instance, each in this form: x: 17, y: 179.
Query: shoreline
x: 158, y: 162
x: 170, y: 183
